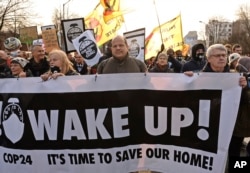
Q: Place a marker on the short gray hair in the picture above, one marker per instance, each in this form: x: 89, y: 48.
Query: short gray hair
x: 210, y: 50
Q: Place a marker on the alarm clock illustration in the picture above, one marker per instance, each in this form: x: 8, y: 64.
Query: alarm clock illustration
x: 87, y: 48
x: 73, y: 32
x: 134, y: 48
x: 12, y: 120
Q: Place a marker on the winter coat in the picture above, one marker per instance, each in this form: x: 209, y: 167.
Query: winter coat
x: 40, y: 68
x: 242, y: 124
x: 127, y: 65
x: 195, y: 64
x: 84, y: 69
x: 158, y: 69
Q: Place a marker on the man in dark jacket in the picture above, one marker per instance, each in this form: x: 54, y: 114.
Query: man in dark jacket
x: 80, y: 65
x: 198, y: 60
x: 38, y: 64
x: 120, y: 62
x: 217, y: 62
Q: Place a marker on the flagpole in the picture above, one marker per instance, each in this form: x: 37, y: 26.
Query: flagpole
x: 158, y: 20
x: 162, y: 44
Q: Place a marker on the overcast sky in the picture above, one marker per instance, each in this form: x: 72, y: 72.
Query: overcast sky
x: 143, y: 12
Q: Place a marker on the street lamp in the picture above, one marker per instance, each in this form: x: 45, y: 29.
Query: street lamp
x: 64, y: 8
x: 216, y: 30
x: 207, y: 33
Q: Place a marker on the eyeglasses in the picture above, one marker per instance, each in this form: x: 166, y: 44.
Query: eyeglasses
x: 219, y: 55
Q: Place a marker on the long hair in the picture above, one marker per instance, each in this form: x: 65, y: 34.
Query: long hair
x: 67, y: 65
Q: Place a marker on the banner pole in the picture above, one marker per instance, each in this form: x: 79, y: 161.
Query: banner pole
x: 158, y: 20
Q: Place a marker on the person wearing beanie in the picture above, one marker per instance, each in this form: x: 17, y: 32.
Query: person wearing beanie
x: 18, y: 68
x: 233, y: 59
x: 198, y: 59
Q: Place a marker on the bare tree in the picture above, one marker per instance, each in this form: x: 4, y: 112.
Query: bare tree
x: 217, y: 30
x: 241, y: 28
x: 14, y: 14
x: 58, y: 16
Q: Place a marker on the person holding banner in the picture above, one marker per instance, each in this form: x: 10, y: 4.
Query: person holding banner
x: 60, y: 65
x: 19, y: 69
x: 38, y: 62
x: 161, y: 65
x: 120, y: 62
x: 217, y: 63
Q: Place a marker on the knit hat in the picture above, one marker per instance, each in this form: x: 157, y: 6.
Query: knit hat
x: 22, y: 61
x: 233, y: 57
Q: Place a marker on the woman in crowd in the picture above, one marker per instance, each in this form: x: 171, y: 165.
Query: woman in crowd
x: 60, y: 65
x: 18, y: 68
x: 161, y: 65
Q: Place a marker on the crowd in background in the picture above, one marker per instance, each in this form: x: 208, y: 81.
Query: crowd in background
x: 116, y: 59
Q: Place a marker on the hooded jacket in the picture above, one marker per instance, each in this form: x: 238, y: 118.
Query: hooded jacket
x: 196, y: 64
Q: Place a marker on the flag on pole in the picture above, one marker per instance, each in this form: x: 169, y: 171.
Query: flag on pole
x: 171, y: 35
x: 111, y: 9
x: 104, y: 31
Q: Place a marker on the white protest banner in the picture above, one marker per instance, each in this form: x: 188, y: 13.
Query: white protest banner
x: 136, y: 43
x: 86, y: 46
x: 118, y: 123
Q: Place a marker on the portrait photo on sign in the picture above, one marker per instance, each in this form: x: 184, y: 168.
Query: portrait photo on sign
x: 72, y: 28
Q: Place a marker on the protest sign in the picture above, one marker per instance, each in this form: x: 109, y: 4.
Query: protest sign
x: 136, y: 43
x: 118, y: 123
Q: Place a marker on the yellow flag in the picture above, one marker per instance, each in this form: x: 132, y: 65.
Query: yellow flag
x: 111, y: 9
x: 169, y: 33
x: 103, y: 31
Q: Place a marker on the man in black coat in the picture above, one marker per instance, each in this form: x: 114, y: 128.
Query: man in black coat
x: 198, y: 59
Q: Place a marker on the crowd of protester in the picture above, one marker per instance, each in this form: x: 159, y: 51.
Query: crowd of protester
x: 216, y: 58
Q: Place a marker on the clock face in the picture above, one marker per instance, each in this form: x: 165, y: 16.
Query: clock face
x: 88, y: 49
x: 73, y: 33
x: 12, y: 109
